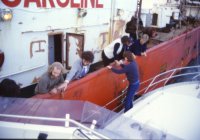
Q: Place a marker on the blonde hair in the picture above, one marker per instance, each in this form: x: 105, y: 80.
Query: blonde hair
x: 58, y: 65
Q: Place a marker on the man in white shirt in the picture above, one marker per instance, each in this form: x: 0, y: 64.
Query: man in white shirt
x: 114, y: 51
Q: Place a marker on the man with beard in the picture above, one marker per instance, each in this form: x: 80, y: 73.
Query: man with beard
x: 51, y: 79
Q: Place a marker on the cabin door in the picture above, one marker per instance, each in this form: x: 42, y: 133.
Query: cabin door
x: 74, y: 48
x: 155, y: 19
x: 55, y: 48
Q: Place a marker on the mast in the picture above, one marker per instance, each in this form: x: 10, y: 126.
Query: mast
x: 182, y: 11
x: 112, y: 15
x: 138, y: 14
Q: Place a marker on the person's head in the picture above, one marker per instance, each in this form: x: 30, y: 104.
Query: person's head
x: 144, y: 39
x: 128, y: 56
x: 56, y: 69
x: 125, y: 40
x: 133, y: 18
x: 154, y: 33
x: 87, y: 57
x: 9, y: 88
x: 151, y: 32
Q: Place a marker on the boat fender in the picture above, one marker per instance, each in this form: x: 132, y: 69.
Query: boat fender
x: 1, y: 58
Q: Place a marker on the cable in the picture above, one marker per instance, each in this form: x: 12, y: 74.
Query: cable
x: 81, y: 133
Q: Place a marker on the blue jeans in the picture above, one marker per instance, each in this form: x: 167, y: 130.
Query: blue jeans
x: 132, y: 88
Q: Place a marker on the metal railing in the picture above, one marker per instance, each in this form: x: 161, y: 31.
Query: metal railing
x: 173, y: 73
x: 67, y: 120
x: 164, y: 78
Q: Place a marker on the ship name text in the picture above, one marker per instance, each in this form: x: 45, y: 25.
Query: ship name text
x: 52, y: 3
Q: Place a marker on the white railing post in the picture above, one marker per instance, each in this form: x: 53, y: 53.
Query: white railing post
x: 67, y: 117
x: 92, y: 125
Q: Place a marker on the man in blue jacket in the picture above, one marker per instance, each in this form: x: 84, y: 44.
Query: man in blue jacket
x: 140, y: 46
x: 130, y: 68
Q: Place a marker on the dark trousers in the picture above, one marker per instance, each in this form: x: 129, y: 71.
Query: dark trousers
x: 130, y: 95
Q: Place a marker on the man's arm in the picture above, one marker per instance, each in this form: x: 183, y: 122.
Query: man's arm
x: 56, y: 89
x: 116, y: 47
x: 70, y: 75
x: 42, y: 86
x: 73, y: 71
x: 118, y: 71
x: 63, y: 86
x: 144, y: 48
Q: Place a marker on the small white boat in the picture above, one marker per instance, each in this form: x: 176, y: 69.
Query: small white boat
x: 169, y: 112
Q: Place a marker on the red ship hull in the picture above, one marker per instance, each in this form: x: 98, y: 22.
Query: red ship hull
x: 103, y: 86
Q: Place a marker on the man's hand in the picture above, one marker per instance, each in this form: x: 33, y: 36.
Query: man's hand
x: 121, y: 61
x: 117, y: 62
x: 53, y: 91
x: 109, y: 67
x: 134, y: 56
x: 144, y: 54
x: 63, y: 86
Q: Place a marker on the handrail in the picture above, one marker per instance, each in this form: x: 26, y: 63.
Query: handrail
x: 172, y: 78
x: 196, y: 76
x: 172, y: 73
x: 66, y: 120
x: 153, y: 82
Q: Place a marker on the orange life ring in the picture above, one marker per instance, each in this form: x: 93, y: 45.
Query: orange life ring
x: 1, y: 58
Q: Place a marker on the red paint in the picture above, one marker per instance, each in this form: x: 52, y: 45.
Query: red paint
x: 27, y: 2
x: 102, y: 86
x: 85, y: 3
x: 44, y: 3
x: 63, y: 4
x: 98, y: 5
x: 74, y: 5
x: 82, y: 3
x: 51, y: 3
x: 11, y: 3
x: 92, y: 3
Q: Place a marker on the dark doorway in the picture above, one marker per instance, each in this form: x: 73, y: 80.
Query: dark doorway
x: 155, y: 19
x: 55, y: 48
